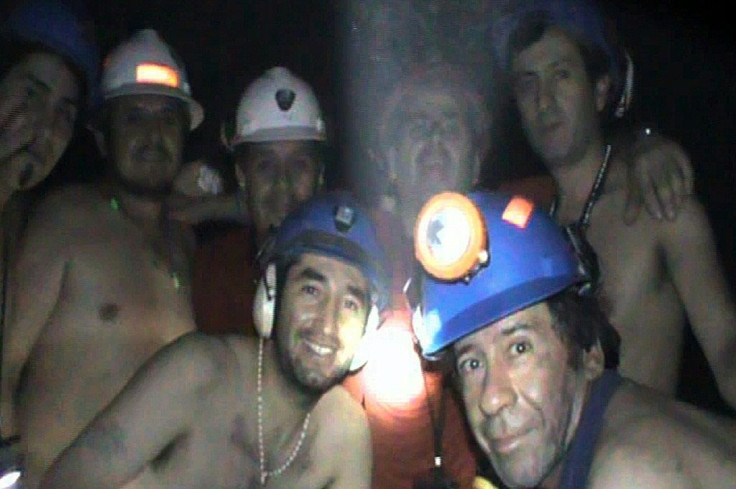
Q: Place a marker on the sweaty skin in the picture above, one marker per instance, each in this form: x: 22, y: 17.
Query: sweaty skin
x: 524, y: 401
x: 657, y: 275
x: 189, y: 418
x: 93, y: 299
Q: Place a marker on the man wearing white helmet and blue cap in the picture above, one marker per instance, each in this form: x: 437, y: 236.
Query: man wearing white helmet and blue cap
x: 268, y: 411
x: 102, y: 278
x: 507, y: 300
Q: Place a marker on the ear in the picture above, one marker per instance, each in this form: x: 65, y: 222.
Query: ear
x: 476, y: 169
x: 94, y: 127
x: 239, y: 176
x: 593, y: 361
x: 602, y: 89
x: 225, y: 136
x: 321, y: 179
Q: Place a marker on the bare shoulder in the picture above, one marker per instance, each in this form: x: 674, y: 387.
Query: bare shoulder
x: 342, y: 416
x: 66, y: 209
x: 651, y: 441
x: 201, y: 359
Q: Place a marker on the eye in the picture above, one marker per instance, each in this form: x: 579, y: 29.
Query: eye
x: 419, y: 128
x: 265, y: 165
x: 169, y: 117
x: 309, y: 290
x: 31, y: 90
x: 521, y: 347
x: 67, y: 114
x: 525, y: 85
x: 351, y: 305
x: 467, y: 365
x: 562, y: 74
x: 133, y: 117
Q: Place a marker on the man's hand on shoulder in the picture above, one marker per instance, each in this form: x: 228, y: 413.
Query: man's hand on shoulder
x: 660, y: 176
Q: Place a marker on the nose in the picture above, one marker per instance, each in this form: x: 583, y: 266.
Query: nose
x: 498, y: 391
x: 546, y: 95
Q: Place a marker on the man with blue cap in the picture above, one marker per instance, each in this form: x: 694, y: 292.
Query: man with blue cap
x: 508, y: 301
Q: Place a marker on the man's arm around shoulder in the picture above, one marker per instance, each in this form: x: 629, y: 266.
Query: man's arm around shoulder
x: 157, y: 405
x: 697, y: 271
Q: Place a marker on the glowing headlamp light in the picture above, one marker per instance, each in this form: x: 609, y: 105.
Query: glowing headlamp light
x: 450, y: 238
x: 157, y: 74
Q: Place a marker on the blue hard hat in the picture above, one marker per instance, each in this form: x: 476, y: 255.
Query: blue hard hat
x: 61, y: 27
x: 526, y: 264
x: 334, y: 224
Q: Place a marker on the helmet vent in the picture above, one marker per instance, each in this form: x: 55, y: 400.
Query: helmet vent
x: 285, y: 98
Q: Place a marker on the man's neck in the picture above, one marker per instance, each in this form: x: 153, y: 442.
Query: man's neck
x: 575, y: 180
x: 142, y: 209
x: 285, y: 407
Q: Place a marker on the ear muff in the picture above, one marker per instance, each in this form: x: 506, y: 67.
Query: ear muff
x: 264, y: 302
x: 364, y: 347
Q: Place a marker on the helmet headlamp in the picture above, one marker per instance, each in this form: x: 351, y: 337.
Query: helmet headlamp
x: 450, y: 237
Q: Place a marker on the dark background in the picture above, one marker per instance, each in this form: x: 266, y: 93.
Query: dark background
x: 685, y: 75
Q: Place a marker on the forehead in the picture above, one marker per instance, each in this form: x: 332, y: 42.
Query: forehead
x: 536, y: 320
x: 149, y: 102
x: 433, y: 101
x: 49, y: 69
x: 281, y: 149
x: 332, y: 268
x: 555, y: 47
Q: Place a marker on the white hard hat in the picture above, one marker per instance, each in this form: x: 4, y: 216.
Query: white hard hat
x: 278, y: 106
x: 145, y: 64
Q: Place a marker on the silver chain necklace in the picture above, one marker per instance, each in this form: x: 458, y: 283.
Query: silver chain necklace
x: 595, y: 192
x: 265, y: 474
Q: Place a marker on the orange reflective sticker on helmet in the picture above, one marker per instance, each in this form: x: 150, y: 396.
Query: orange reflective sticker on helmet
x: 158, y: 74
x: 518, y: 211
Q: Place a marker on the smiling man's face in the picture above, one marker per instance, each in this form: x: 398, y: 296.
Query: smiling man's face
x: 523, y: 399
x: 321, y: 319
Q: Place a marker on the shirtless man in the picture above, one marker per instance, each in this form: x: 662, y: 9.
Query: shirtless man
x: 236, y: 411
x: 657, y: 275
x: 101, y: 281
x: 46, y: 73
x: 535, y: 360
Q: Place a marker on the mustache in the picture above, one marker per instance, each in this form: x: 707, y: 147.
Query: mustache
x: 151, y: 152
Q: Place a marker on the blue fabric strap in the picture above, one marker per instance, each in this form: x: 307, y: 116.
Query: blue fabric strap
x: 580, y: 455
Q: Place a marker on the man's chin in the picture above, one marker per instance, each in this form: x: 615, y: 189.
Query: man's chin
x: 152, y: 192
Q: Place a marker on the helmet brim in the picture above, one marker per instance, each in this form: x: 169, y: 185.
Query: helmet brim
x: 196, y: 112
x: 296, y: 133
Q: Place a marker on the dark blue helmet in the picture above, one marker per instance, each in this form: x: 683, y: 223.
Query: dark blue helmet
x: 527, y: 258
x: 334, y: 224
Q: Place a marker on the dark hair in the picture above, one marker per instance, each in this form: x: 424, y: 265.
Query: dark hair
x: 580, y: 323
x: 535, y: 25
